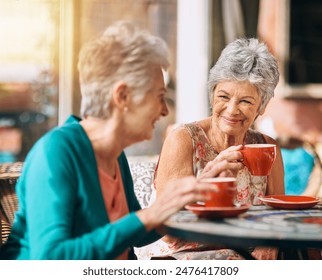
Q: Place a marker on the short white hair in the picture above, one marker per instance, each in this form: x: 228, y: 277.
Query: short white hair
x: 246, y: 60
x: 123, y: 53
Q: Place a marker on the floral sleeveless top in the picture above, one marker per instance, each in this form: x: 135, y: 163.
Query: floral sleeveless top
x: 249, y: 189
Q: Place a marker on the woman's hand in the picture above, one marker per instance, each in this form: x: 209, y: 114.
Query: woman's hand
x: 226, y: 164
x: 265, y: 253
x: 175, y: 196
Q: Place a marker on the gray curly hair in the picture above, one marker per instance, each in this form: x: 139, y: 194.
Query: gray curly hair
x: 246, y: 60
x: 123, y: 53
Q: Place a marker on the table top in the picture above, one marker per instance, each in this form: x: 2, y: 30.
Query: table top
x: 259, y: 226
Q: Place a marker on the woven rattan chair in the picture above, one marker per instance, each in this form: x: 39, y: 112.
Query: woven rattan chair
x: 9, y: 174
x: 0, y: 229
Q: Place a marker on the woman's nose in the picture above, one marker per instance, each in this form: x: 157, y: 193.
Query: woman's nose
x: 232, y: 107
x: 165, y: 110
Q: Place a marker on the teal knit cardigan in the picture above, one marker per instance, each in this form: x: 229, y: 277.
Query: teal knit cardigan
x: 61, y: 211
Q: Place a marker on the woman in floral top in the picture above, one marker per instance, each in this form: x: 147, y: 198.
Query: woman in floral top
x: 241, y: 84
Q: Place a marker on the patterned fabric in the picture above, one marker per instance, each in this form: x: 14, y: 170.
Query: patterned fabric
x: 143, y: 174
x: 250, y: 188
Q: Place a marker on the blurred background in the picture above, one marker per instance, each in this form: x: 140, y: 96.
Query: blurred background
x: 40, y: 41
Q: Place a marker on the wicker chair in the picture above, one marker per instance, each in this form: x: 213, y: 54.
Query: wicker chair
x: 0, y: 229
x: 9, y: 174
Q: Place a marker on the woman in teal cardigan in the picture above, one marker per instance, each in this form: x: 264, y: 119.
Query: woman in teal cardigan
x: 76, y: 197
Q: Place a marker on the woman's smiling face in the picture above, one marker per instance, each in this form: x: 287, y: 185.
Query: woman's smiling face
x: 235, y: 107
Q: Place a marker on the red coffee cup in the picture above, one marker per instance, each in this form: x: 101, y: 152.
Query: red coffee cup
x: 259, y: 158
x: 224, y: 192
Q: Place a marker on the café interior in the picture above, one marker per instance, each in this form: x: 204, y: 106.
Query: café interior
x: 40, y: 42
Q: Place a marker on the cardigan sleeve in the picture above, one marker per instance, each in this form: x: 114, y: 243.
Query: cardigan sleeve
x: 50, y: 200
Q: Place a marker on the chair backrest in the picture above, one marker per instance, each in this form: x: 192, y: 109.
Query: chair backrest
x: 0, y: 229
x: 142, y: 170
x: 9, y: 174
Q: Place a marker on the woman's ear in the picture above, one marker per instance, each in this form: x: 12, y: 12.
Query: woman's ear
x: 262, y: 111
x: 120, y: 95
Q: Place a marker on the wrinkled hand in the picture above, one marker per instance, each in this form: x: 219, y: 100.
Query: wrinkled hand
x: 175, y: 196
x: 226, y: 164
x: 265, y: 253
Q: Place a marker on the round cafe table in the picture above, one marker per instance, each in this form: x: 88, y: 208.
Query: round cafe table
x: 259, y: 226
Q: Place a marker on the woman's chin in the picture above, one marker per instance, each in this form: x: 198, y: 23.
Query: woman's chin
x: 145, y: 137
x: 148, y: 137
x: 233, y: 131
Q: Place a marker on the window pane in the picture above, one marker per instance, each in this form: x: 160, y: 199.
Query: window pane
x: 28, y: 74
x: 305, y: 42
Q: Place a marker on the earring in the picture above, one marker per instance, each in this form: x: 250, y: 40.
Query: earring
x: 125, y: 109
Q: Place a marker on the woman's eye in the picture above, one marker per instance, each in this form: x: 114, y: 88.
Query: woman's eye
x: 246, y: 101
x: 224, y: 97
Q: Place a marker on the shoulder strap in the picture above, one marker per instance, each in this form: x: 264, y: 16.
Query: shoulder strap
x: 193, y: 130
x: 255, y: 137
x: 203, y: 151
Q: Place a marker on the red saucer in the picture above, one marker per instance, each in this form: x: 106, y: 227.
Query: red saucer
x: 290, y: 201
x: 217, y: 212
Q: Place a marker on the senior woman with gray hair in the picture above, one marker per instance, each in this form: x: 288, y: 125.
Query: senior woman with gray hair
x: 76, y: 197
x: 241, y: 84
